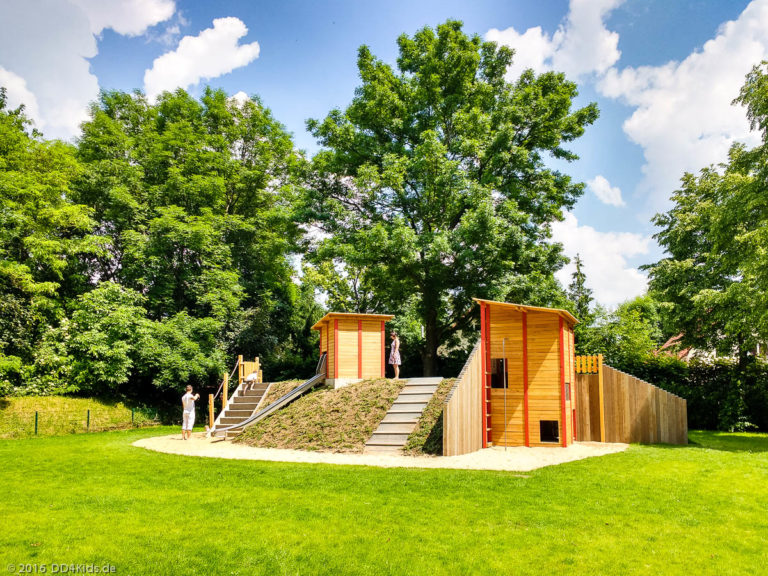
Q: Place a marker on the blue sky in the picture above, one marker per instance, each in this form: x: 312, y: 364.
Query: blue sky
x: 663, y: 74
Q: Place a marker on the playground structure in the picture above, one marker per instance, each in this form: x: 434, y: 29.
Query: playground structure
x: 522, y: 385
x: 355, y: 345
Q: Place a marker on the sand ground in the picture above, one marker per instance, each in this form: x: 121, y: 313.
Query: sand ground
x: 518, y: 459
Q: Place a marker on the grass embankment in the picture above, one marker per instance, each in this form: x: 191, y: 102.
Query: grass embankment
x: 327, y: 420
x: 57, y: 415
x: 427, y: 438
x: 697, y: 509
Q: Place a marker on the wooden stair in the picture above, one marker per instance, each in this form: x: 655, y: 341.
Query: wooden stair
x: 402, y: 417
x: 242, y: 406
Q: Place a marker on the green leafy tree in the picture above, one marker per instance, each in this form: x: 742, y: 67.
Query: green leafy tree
x: 433, y: 181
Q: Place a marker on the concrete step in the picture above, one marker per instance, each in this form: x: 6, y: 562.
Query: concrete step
x: 428, y: 389
x: 382, y: 438
x: 229, y: 421
x: 246, y: 400
x: 243, y: 406
x: 401, y: 417
x: 395, y: 428
x: 413, y: 398
x: 401, y: 405
x: 430, y: 381
x: 242, y: 414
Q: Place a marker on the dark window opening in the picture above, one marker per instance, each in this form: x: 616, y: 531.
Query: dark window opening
x: 549, y: 431
x: 498, y: 365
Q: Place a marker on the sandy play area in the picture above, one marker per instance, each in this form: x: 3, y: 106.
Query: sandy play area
x: 519, y: 459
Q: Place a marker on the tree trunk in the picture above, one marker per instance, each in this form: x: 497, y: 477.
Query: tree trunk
x: 429, y: 356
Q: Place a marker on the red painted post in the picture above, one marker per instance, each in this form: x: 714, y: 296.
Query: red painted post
x: 336, y: 348
x: 564, y: 431
x: 359, y: 348
x: 489, y: 415
x: 526, y: 423
x: 383, y: 351
x: 327, y: 351
x: 483, y: 348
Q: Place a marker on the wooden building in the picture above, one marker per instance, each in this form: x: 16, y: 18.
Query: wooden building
x: 527, y: 356
x: 356, y: 346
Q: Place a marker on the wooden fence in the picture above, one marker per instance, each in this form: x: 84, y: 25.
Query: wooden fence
x: 462, y: 410
x: 613, y: 406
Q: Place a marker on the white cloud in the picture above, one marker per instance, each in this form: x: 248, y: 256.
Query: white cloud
x: 213, y: 52
x: 606, y: 193
x: 240, y: 97
x: 581, y: 45
x: 17, y: 93
x: 48, y: 44
x: 605, y: 256
x: 126, y: 17
x: 683, y: 116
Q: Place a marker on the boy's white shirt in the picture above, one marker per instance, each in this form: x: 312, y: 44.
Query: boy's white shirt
x: 188, y: 401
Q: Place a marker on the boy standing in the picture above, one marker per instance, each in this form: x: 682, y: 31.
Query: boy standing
x: 188, y: 421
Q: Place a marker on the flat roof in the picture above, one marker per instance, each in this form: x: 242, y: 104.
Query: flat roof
x: 522, y: 307
x: 351, y: 316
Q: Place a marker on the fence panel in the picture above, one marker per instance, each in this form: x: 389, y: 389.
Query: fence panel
x: 462, y: 411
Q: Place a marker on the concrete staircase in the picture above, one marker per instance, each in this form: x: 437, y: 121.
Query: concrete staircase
x: 402, y: 417
x: 242, y: 406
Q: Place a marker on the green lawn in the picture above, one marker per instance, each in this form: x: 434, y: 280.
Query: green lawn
x: 701, y: 509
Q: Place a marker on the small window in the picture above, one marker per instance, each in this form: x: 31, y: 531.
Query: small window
x: 548, y: 431
x: 498, y: 365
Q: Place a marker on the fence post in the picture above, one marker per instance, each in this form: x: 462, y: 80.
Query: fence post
x: 88, y: 420
x: 601, y: 396
x: 210, y: 410
x: 35, y: 422
x: 225, y: 392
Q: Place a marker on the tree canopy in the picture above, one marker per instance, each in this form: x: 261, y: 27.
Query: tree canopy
x: 432, y: 187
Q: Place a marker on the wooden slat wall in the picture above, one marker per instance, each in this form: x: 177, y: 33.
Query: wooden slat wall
x: 371, y: 349
x: 347, y: 348
x: 506, y: 337
x: 543, y: 373
x: 462, y: 410
x: 635, y: 411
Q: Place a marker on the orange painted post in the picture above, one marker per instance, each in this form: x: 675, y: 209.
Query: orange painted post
x: 359, y: 348
x: 383, y: 351
x: 564, y: 431
x: 225, y: 392
x: 240, y: 374
x: 484, y: 352
x: 525, y: 380
x: 336, y: 348
x: 210, y: 411
x: 601, y: 396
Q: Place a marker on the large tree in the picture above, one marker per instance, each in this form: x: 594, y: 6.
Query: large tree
x: 715, y: 237
x: 434, y: 182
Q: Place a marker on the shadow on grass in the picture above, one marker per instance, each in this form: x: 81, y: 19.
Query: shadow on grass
x: 728, y: 441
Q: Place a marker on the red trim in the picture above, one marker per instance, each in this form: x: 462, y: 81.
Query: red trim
x: 327, y: 343
x: 383, y: 351
x: 572, y: 379
x: 483, y: 347
x: 564, y: 431
x: 526, y: 423
x: 336, y: 348
x: 488, y: 407
x: 359, y: 348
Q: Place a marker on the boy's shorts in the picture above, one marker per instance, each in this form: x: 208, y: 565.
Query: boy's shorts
x: 189, y: 421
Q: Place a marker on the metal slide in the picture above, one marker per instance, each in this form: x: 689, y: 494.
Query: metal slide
x: 284, y: 400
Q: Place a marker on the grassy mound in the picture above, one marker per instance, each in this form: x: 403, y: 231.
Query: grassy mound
x: 57, y: 415
x: 327, y: 420
x: 427, y: 438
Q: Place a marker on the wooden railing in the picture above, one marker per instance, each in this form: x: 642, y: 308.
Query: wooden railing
x: 462, y: 410
x: 613, y: 406
x: 243, y: 368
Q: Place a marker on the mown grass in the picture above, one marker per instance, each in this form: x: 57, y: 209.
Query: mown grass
x: 65, y: 415
x: 327, y: 420
x: 699, y: 509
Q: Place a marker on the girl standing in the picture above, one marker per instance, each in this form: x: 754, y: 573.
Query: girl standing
x: 394, y: 354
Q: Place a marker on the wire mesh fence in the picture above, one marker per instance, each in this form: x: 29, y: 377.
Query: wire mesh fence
x: 53, y: 422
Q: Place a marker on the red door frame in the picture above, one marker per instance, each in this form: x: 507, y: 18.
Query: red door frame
x: 564, y: 432
x: 526, y: 423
